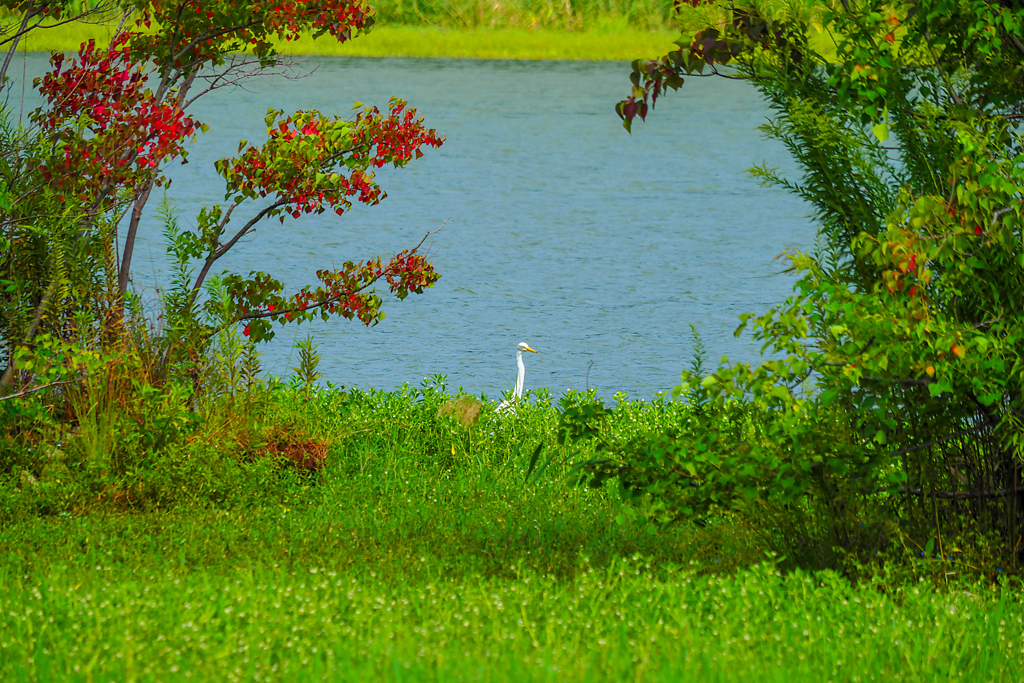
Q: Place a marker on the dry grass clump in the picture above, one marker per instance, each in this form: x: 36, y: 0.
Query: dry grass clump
x: 305, y: 454
x: 465, y: 410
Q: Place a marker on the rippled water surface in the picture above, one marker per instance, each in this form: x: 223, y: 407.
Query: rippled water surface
x: 592, y: 245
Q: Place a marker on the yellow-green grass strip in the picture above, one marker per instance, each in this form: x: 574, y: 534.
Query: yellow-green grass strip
x: 415, y: 41
x: 616, y: 43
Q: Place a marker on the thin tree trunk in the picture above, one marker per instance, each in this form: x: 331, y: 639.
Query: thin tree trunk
x: 17, y: 38
x: 140, y: 202
x: 129, y: 239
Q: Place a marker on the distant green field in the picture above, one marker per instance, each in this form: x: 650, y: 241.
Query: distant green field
x: 623, y: 43
x: 612, y: 41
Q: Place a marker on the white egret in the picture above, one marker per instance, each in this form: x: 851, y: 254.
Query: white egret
x: 509, y: 405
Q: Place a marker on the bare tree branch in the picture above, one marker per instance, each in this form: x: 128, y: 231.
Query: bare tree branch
x: 129, y: 239
x: 211, y: 258
x: 902, y: 381
x: 243, y: 70
x: 207, y: 35
x: 934, y: 442
x: 960, y: 495
x: 247, y: 228
x: 32, y: 390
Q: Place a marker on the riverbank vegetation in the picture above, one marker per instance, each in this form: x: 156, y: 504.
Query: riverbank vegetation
x: 851, y: 508
x: 294, y: 532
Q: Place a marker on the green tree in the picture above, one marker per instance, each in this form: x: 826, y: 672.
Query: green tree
x: 898, y: 370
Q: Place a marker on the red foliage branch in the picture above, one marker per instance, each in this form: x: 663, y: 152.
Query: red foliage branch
x: 107, y: 129
x: 303, y: 164
x: 311, y: 163
x: 346, y: 292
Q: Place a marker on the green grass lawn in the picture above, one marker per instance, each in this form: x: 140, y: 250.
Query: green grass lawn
x: 625, y: 621
x: 418, y: 552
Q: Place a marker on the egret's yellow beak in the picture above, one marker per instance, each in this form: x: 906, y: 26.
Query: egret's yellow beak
x: 527, y: 348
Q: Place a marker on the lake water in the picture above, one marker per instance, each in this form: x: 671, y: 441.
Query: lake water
x: 597, y: 248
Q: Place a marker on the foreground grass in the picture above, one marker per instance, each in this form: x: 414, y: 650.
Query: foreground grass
x: 419, y: 552
x: 620, y: 622
x: 609, y: 41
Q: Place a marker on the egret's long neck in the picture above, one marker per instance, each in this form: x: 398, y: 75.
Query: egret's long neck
x: 521, y: 375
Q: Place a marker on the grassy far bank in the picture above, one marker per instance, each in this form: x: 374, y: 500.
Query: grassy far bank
x: 608, y: 41
x: 420, y: 552
x: 414, y: 41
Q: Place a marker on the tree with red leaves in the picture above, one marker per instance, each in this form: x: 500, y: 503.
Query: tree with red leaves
x: 113, y: 118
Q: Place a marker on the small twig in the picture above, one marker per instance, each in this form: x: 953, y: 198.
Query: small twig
x: 935, y: 442
x: 432, y: 232
x: 800, y: 381
x: 949, y: 234
x: 120, y: 26
x: 240, y: 71
x: 958, y: 495
x: 590, y: 365
x: 985, y: 323
x: 999, y: 213
x: 901, y: 381
x: 214, y: 33
x: 246, y: 229
x: 32, y: 390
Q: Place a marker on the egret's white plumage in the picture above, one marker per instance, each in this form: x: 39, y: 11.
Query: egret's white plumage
x: 509, y: 405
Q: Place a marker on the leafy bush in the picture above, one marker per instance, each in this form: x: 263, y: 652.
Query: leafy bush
x: 894, y: 391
